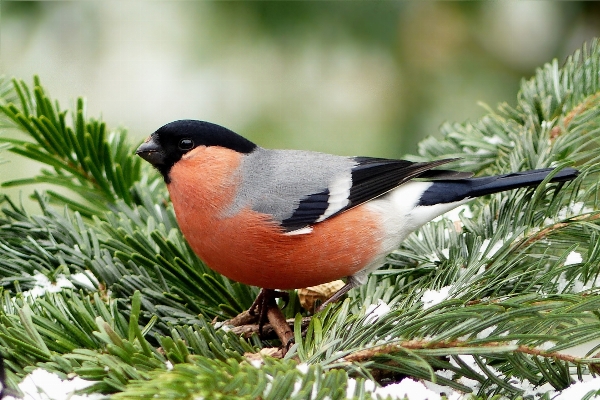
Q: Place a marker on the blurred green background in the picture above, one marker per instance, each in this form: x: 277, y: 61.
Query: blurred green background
x: 354, y: 78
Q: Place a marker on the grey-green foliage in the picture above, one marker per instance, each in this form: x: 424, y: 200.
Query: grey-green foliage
x: 75, y: 332
x: 127, y: 249
x: 513, y: 298
x: 207, y: 378
x: 83, y: 155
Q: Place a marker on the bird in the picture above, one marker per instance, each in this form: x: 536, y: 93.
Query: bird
x: 289, y: 219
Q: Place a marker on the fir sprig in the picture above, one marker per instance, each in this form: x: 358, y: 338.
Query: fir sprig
x: 84, y: 156
x: 204, y: 377
x: 126, y: 250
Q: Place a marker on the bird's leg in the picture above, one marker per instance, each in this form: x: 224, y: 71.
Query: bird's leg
x: 337, y: 295
x: 257, y: 304
x: 260, y: 306
x: 263, y: 303
x: 264, y: 295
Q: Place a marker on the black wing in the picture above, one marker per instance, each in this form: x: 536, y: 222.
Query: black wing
x: 370, y: 178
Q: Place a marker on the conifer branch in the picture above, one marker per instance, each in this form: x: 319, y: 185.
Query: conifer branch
x: 83, y: 155
x: 544, y: 233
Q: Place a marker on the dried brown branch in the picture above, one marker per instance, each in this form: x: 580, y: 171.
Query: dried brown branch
x: 280, y: 326
x: 578, y: 109
x: 548, y: 354
x: 368, y: 354
x: 243, y: 318
x: 559, y: 225
x: 248, y: 329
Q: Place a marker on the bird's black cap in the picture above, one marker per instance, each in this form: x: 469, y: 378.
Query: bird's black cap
x: 169, y: 143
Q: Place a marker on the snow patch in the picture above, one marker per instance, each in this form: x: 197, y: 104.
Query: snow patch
x: 350, y: 388
x: 43, y: 285
x: 562, y: 282
x: 578, y: 390
x: 86, y: 279
x: 493, y: 250
x: 575, y: 285
x: 407, y: 388
x: 573, y: 258
x: 495, y: 140
x: 486, y: 332
x: 432, y: 297
x: 303, y: 368
x: 43, y: 385
x: 376, y: 311
x: 564, y: 213
x: 470, y: 361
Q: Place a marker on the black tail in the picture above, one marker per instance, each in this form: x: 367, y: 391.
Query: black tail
x: 451, y: 191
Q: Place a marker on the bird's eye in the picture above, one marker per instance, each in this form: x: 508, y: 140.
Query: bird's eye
x: 186, y: 144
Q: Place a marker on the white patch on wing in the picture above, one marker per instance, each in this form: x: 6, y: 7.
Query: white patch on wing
x: 301, y: 231
x: 339, y: 191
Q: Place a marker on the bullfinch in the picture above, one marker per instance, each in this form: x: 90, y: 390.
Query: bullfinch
x: 286, y: 219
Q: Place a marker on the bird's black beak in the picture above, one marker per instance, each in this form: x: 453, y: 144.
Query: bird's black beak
x: 151, y: 151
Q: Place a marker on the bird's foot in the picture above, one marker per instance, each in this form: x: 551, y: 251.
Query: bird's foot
x: 337, y: 295
x: 262, y: 304
x: 266, y: 309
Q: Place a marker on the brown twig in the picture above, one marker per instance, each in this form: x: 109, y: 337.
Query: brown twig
x: 280, y: 326
x: 243, y: 318
x: 548, y: 354
x: 368, y: 354
x: 559, y: 225
x: 545, y: 232
x: 248, y: 329
x: 578, y: 109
